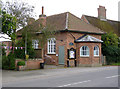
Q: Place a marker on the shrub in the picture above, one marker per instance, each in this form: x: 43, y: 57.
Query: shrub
x: 21, y: 63
x: 11, y: 58
x: 110, y: 48
x: 21, y: 53
x: 112, y: 54
x: 5, y: 62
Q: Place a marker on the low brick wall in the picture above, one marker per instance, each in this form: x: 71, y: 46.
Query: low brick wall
x: 31, y: 64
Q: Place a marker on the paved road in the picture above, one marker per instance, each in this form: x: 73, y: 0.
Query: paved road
x: 70, y: 77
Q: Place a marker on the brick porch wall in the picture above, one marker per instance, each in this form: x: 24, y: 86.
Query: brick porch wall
x: 30, y: 64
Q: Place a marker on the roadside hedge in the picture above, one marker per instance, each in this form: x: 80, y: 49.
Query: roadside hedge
x: 21, y: 63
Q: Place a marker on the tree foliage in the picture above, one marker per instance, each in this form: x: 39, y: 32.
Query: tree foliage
x: 21, y: 10
x: 110, y: 48
x: 9, y: 25
x: 110, y: 39
x: 20, y: 53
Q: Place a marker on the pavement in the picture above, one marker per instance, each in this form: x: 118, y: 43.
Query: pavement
x: 63, y: 77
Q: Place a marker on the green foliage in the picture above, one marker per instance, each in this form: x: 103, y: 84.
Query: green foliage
x: 9, y: 25
x: 112, y: 54
x: 110, y: 39
x: 5, y: 62
x: 21, y: 10
x: 21, y: 63
x: 110, y: 48
x: 11, y: 58
x: 3, y: 51
x: 8, y: 62
x: 20, y: 53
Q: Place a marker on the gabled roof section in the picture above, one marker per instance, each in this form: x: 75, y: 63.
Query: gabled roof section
x: 105, y: 25
x: 67, y: 21
x: 88, y: 38
x: 58, y: 21
x: 76, y: 24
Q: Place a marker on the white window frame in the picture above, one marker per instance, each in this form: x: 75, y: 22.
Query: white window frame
x: 96, y: 50
x: 87, y: 50
x: 51, y: 46
x: 35, y: 44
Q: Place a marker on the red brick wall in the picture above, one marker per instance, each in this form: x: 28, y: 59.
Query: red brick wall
x: 63, y: 39
x: 31, y: 64
x: 91, y: 59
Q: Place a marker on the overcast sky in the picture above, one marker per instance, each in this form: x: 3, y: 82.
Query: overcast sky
x: 76, y: 7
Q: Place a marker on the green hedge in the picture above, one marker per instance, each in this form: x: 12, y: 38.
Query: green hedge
x: 112, y: 54
x: 8, y: 62
x: 21, y: 63
x: 11, y: 58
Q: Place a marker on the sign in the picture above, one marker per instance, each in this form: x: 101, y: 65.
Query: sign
x: 71, y: 43
x: 71, y: 53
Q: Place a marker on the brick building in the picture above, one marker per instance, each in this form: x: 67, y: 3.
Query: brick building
x: 77, y: 43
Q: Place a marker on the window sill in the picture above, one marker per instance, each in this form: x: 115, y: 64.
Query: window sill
x: 51, y: 53
x: 96, y: 56
x: 84, y: 56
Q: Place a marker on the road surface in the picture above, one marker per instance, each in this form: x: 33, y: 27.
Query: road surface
x: 71, y: 77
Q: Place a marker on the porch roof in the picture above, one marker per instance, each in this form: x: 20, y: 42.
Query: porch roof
x: 88, y: 38
x: 4, y: 37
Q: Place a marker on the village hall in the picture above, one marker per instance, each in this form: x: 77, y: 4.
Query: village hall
x: 77, y: 43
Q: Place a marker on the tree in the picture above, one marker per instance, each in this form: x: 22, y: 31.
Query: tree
x: 40, y: 32
x: 21, y: 11
x: 110, y: 39
x: 9, y: 25
x: 110, y: 47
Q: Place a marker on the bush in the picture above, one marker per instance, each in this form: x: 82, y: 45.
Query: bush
x: 5, y: 62
x: 112, y: 54
x: 21, y: 63
x: 20, y: 53
x: 11, y: 58
x: 110, y: 48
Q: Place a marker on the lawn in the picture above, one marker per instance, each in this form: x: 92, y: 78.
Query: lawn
x: 116, y: 64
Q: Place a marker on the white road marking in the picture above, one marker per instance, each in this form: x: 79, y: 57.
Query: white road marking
x: 113, y: 76
x: 75, y: 83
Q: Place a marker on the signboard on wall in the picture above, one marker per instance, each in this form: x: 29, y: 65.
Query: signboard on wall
x: 72, y: 53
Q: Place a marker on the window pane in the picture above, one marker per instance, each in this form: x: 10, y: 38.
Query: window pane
x: 96, y: 51
x: 52, y: 45
x: 84, y: 50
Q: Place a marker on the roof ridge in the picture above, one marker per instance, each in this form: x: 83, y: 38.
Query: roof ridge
x: 57, y: 14
x: 66, y: 27
x: 98, y: 18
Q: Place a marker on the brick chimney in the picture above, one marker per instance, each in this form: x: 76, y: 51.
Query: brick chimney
x: 102, y: 13
x: 42, y: 18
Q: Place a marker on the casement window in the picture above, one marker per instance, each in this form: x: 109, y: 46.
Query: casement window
x: 96, y: 51
x: 51, y: 46
x: 35, y: 44
x: 84, y: 51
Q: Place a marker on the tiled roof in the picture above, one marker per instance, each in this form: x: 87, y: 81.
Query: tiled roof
x: 68, y: 21
x: 88, y: 38
x: 105, y: 25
